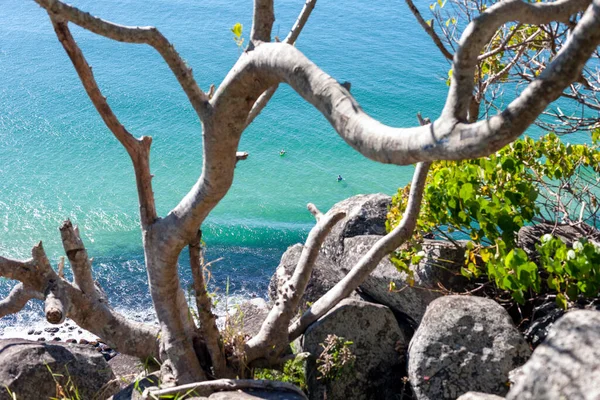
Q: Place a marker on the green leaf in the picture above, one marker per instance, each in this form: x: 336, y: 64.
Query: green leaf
x: 237, y: 30
x: 561, y: 301
x: 466, y: 191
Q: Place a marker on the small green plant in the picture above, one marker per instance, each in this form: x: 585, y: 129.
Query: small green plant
x: 237, y: 34
x: 336, y: 360
x: 11, y: 394
x: 293, y: 372
x: 67, y: 390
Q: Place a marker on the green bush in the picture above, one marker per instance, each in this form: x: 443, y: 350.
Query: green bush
x: 488, y: 200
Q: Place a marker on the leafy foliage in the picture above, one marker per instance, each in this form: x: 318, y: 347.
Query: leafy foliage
x: 488, y: 200
x: 293, y: 372
x: 336, y: 360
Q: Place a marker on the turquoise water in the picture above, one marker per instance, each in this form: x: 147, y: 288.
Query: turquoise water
x: 58, y: 160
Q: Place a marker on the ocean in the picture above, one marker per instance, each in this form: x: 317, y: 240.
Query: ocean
x: 58, y: 160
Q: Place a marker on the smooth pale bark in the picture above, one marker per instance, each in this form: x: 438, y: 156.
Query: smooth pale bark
x: 220, y: 385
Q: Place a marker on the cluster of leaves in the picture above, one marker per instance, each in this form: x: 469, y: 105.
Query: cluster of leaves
x: 237, y: 34
x: 293, y: 372
x: 336, y: 360
x: 488, y: 200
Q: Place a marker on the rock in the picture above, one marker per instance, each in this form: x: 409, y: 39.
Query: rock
x: 56, y: 339
x: 30, y: 332
x: 324, y: 276
x: 255, y: 395
x: 479, y: 396
x: 248, y: 316
x: 463, y: 344
x: 566, y: 365
x: 37, y: 332
x: 25, y: 369
x: 134, y: 390
x: 541, y: 321
x: 441, y: 264
x: 126, y: 368
x: 365, y: 215
x: 529, y: 236
x: 83, y: 341
x: 41, y: 339
x: 51, y: 329
x: 350, y: 239
x: 378, y: 344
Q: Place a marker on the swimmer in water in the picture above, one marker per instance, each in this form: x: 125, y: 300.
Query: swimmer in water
x: 282, y: 152
x: 339, y: 178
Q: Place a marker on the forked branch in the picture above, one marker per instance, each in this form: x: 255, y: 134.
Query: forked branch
x: 272, y: 338
x: 369, y: 261
x: 143, y: 35
x: 138, y: 149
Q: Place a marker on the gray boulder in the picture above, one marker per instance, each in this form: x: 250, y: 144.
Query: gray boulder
x: 378, y: 345
x: 25, y: 370
x: 324, y: 276
x: 464, y: 344
x: 479, y: 396
x: 248, y: 316
x: 441, y: 264
x: 566, y: 365
x: 255, y: 395
x: 365, y: 215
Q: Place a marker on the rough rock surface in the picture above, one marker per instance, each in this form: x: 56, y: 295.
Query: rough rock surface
x: 566, y: 365
x: 24, y: 369
x: 463, y: 344
x: 126, y: 368
x: 479, y: 396
x: 350, y: 239
x: 248, y: 316
x: 409, y: 300
x: 255, y: 395
x: 134, y: 390
x: 323, y: 277
x: 378, y: 344
x: 365, y: 215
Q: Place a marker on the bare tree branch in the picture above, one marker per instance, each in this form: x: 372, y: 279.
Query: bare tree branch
x: 264, y: 98
x: 481, y: 30
x: 369, y: 261
x: 429, y: 29
x: 262, y: 21
x: 17, y: 299
x: 143, y: 35
x: 78, y: 258
x: 272, y: 338
x: 207, y: 320
x: 138, y: 149
x: 40, y: 281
